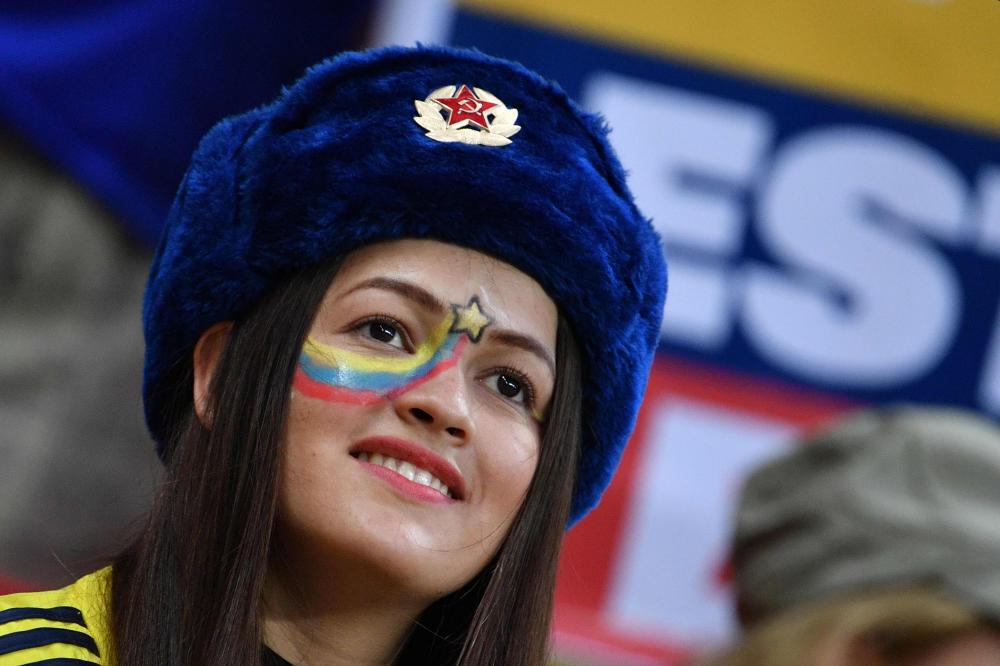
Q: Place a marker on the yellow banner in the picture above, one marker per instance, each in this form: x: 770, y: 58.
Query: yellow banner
x: 938, y: 58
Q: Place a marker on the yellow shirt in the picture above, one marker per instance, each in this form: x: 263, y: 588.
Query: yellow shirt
x: 70, y: 624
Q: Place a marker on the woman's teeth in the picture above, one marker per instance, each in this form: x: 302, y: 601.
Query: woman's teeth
x: 406, y: 470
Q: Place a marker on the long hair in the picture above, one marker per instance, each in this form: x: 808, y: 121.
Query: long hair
x: 187, y: 589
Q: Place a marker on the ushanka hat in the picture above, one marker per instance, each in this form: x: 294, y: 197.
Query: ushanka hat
x: 425, y: 142
x: 900, y: 496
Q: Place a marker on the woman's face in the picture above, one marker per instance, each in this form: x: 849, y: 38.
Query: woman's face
x: 415, y: 415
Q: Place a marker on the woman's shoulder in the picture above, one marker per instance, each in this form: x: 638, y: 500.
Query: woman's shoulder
x: 70, y: 623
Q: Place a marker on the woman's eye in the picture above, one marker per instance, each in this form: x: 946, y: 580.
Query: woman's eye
x: 508, y: 385
x: 385, y: 332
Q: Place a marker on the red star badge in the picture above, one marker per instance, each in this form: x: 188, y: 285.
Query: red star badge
x: 465, y: 109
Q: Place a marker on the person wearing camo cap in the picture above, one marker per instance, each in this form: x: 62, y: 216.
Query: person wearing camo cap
x: 876, y: 542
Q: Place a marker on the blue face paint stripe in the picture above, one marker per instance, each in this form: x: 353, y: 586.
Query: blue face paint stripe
x: 381, y: 382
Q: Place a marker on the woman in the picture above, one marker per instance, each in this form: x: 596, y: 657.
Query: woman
x: 389, y: 358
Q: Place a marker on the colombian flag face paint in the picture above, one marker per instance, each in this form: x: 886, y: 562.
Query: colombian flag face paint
x: 340, y: 375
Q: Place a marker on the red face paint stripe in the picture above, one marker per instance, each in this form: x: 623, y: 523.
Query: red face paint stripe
x: 314, y: 389
x: 307, y: 386
x: 441, y: 367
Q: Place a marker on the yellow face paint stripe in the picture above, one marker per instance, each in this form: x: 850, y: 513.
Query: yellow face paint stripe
x: 371, y: 363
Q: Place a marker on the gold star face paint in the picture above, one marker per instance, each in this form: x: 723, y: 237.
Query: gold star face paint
x: 341, y: 375
x: 469, y: 319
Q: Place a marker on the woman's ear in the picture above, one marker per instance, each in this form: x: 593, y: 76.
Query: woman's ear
x: 207, y: 352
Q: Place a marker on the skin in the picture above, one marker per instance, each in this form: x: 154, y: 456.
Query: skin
x: 359, y: 559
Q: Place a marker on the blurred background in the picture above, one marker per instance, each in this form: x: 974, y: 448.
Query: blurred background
x: 826, y: 177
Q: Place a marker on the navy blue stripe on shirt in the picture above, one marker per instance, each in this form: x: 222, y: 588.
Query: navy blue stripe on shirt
x: 32, y: 638
x: 61, y: 661
x: 57, y: 614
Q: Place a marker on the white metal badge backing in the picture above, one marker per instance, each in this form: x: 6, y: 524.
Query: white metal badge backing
x: 471, y: 116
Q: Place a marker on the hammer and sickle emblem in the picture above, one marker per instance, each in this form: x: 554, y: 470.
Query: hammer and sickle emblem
x: 470, y: 105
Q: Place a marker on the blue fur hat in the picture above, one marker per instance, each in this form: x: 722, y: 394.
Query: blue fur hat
x: 357, y: 151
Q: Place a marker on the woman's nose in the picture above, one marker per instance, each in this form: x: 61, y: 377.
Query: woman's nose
x: 441, y: 404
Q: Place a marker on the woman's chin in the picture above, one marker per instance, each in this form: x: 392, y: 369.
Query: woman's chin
x: 384, y: 545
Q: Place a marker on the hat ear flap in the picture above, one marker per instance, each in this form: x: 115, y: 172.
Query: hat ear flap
x: 206, y: 203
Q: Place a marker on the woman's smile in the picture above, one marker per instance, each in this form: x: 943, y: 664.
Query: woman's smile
x: 415, y: 471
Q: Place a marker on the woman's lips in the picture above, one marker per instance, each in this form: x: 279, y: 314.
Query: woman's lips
x: 411, y: 468
x: 405, y: 486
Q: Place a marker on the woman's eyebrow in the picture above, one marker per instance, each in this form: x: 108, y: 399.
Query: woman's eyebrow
x: 431, y: 302
x: 408, y: 290
x: 525, y: 342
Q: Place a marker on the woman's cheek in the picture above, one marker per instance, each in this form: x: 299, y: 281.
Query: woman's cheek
x: 513, y: 459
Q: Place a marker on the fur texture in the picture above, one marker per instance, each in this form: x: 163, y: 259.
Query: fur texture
x: 336, y: 162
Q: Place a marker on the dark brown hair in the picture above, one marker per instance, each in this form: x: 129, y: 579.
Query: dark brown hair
x: 187, y: 590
